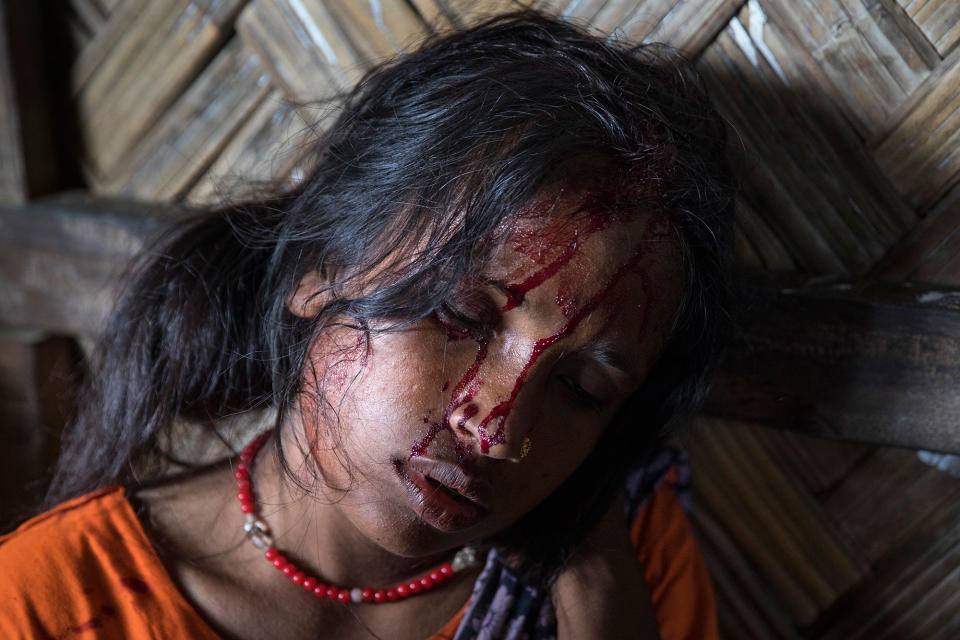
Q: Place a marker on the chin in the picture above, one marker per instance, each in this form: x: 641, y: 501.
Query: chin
x: 414, y: 538
x: 398, y: 529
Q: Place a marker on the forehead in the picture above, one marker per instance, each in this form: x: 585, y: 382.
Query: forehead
x: 603, y: 269
x: 572, y: 233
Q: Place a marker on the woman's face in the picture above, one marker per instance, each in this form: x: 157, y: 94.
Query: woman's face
x: 456, y: 427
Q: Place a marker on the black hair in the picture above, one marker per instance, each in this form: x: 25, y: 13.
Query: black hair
x: 424, y: 159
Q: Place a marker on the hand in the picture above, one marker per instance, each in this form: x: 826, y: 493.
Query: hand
x: 601, y: 593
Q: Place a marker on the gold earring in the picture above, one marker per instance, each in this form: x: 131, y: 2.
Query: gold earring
x: 525, y: 447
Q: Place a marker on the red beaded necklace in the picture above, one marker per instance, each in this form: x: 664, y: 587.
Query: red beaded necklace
x: 259, y: 534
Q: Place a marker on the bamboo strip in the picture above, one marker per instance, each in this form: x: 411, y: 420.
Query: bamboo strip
x: 950, y: 272
x: 894, y: 41
x: 931, y: 251
x: 556, y: 7
x: 263, y: 150
x: 901, y: 581
x: 121, y: 103
x: 860, y: 192
x: 823, y: 561
x: 192, y: 132
x: 582, y: 10
x: 89, y: 14
x: 940, y: 21
x: 746, y: 254
x: 616, y: 12
x: 78, y: 35
x: 13, y: 178
x: 742, y: 594
x: 920, y: 149
x: 945, y: 622
x: 869, y: 71
x: 903, y: 492
x: 118, y: 37
x: 690, y: 25
x: 381, y: 34
x: 642, y: 19
x: 929, y: 598
x: 300, y: 43
x: 434, y: 14
x: 727, y: 490
x: 802, y: 161
x: 61, y: 265
x: 108, y: 6
x: 763, y: 181
x: 823, y: 169
x: 30, y: 163
x: 905, y: 34
x: 770, y: 252
x: 819, y: 462
x: 469, y: 12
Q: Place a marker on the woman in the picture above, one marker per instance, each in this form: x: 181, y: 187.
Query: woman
x: 472, y: 322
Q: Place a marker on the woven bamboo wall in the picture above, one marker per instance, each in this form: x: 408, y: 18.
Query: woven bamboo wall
x: 847, y: 113
x: 845, y: 108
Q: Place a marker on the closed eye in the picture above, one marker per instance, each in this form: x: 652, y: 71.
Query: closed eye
x: 461, y: 324
x: 581, y: 396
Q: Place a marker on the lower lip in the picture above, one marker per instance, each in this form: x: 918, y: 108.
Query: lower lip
x: 434, y: 506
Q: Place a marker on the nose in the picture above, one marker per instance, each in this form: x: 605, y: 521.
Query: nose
x: 491, y: 420
x: 492, y: 408
x: 495, y: 434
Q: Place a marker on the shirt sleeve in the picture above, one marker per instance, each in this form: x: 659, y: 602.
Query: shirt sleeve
x: 86, y: 569
x: 675, y: 571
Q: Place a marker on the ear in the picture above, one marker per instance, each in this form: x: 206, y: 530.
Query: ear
x: 306, y: 301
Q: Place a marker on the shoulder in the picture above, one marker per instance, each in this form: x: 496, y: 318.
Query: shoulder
x: 50, y: 548
x: 84, y: 565
x: 674, y: 568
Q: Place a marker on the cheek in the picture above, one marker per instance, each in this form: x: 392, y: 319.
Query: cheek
x: 335, y: 364
x: 550, y: 462
x: 371, y: 394
x: 338, y: 360
x: 561, y: 441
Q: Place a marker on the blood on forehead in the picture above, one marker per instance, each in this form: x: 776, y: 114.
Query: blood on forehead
x: 551, y: 231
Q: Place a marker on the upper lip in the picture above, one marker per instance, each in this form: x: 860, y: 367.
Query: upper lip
x: 455, y: 477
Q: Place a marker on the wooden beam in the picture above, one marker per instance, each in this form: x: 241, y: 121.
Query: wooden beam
x: 61, y: 260
x: 872, y: 363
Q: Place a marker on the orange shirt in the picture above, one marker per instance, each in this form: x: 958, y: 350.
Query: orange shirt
x: 86, y: 569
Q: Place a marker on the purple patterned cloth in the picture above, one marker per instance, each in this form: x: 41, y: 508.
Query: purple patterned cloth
x: 503, y: 607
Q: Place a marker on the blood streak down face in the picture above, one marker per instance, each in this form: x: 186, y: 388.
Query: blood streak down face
x: 550, y: 235
x: 543, y: 346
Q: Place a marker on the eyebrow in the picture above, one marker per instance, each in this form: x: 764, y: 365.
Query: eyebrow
x: 608, y: 355
x: 599, y: 351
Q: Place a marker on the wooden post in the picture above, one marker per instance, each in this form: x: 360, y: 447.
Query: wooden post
x: 39, y: 378
x: 28, y: 165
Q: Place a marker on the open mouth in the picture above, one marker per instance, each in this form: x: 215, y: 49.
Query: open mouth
x: 437, y: 503
x: 453, y: 493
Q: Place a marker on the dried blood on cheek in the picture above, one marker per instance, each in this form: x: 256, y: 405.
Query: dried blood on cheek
x: 336, y: 375
x: 463, y: 393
